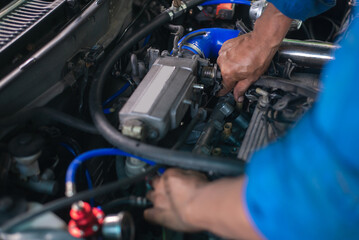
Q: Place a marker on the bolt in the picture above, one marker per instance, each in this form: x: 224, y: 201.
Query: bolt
x: 198, y: 86
x: 227, y: 129
x: 208, y: 72
x: 234, y: 150
x: 153, y: 134
x: 226, y: 109
x: 217, y: 151
x: 95, y: 228
x: 206, y: 150
x: 186, y: 101
x: 78, y: 206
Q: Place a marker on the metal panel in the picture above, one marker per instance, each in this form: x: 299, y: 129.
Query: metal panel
x: 159, y: 101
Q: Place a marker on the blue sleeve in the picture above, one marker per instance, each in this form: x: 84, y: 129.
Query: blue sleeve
x: 306, y: 185
x: 302, y: 9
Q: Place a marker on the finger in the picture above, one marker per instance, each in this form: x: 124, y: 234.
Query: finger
x: 155, y: 215
x: 195, y: 174
x: 226, y: 88
x: 240, y: 88
x: 227, y: 45
x: 220, y: 60
x: 173, y: 172
x: 161, y: 217
x: 155, y: 182
x: 159, y: 200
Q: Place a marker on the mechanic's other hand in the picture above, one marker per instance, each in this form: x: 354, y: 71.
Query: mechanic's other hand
x: 172, y: 193
x: 242, y: 61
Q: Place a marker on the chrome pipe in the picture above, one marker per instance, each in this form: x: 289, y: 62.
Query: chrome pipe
x: 305, y: 53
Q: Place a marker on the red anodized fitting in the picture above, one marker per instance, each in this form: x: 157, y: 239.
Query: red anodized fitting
x: 85, y: 220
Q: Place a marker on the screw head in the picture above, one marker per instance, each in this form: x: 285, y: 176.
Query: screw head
x: 95, y: 228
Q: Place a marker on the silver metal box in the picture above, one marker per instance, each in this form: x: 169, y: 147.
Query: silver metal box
x: 161, y: 99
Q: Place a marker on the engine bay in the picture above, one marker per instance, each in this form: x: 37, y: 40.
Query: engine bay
x: 99, y: 97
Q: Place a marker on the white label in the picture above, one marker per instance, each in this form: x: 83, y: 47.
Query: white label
x: 154, y: 89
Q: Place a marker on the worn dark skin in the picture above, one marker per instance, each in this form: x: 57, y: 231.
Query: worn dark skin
x: 245, y: 58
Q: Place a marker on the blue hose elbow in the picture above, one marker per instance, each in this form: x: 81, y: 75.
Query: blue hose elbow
x: 208, y: 45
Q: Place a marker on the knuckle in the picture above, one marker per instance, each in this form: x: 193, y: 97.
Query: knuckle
x: 170, y: 172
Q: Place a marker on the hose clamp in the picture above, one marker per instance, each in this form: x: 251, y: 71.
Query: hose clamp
x: 70, y: 189
x: 174, y: 12
x: 183, y: 7
x: 171, y: 14
x: 195, y: 48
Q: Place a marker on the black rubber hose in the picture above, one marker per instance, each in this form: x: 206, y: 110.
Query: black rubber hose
x: 134, y: 21
x: 178, y: 31
x: 9, y: 226
x: 131, y: 200
x: 159, y: 155
x: 49, y: 114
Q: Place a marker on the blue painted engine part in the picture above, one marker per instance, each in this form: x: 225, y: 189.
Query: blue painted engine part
x: 216, y: 2
x: 208, y: 41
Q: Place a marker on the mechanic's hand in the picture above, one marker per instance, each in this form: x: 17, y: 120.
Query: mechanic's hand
x: 242, y: 61
x: 172, y: 193
x: 245, y: 58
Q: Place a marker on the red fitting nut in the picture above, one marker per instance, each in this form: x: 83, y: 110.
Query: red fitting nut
x: 85, y: 220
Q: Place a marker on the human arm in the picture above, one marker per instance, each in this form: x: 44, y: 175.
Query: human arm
x: 186, y: 201
x: 304, y: 186
x: 244, y: 59
x: 289, y: 192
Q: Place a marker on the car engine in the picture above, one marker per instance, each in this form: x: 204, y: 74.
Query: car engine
x: 97, y: 97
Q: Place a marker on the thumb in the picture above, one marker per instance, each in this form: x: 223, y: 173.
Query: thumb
x: 155, y: 215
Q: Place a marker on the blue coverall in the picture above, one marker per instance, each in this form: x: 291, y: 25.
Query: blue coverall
x: 306, y: 185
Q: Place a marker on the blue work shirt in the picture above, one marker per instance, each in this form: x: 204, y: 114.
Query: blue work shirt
x: 306, y: 185
x: 302, y: 9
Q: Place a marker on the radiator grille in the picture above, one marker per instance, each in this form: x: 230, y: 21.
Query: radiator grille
x: 21, y: 16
